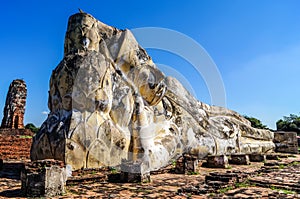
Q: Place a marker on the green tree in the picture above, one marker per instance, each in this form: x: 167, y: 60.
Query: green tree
x: 32, y: 127
x: 256, y: 123
x: 289, y: 123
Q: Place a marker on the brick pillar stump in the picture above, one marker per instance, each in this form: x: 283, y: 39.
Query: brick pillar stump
x: 43, y: 178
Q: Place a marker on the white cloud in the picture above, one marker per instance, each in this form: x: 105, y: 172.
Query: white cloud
x: 45, y: 112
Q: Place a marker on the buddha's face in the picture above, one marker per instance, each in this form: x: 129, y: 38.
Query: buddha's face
x: 82, y: 34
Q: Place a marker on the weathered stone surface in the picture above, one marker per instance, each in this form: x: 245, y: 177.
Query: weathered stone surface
x: 286, y: 142
x: 109, y: 102
x: 44, y: 178
x: 14, y: 109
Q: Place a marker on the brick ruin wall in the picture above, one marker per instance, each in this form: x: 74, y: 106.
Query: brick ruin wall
x: 15, y: 144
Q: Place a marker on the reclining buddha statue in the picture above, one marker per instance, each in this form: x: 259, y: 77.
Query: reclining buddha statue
x: 109, y: 102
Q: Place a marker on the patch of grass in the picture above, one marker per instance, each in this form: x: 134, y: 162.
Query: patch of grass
x: 242, y: 184
x: 146, y: 181
x: 246, y: 183
x: 113, y: 170
x: 148, y: 191
x: 294, y: 163
x: 25, y: 136
x: 144, y: 190
x: 228, y: 167
x: 224, y: 190
x: 285, y: 191
x: 281, y: 166
x: 193, y: 173
x: 174, y: 163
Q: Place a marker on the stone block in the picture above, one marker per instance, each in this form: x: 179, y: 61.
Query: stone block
x: 190, y: 163
x: 257, y: 157
x: 286, y: 142
x: 217, y: 161
x: 43, y: 178
x: 228, y: 178
x: 180, y: 166
x: 239, y: 159
x: 134, y: 172
x: 186, y: 164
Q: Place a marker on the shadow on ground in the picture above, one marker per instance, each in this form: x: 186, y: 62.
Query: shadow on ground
x: 11, y: 193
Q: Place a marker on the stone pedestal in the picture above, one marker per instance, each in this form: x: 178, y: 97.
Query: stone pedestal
x: 217, y: 161
x: 257, y: 157
x: 43, y: 178
x: 239, y: 159
x: 134, y: 172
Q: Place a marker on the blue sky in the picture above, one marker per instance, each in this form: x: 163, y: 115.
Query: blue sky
x: 255, y: 45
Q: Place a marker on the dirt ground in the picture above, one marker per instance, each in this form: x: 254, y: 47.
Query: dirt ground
x: 270, y: 179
